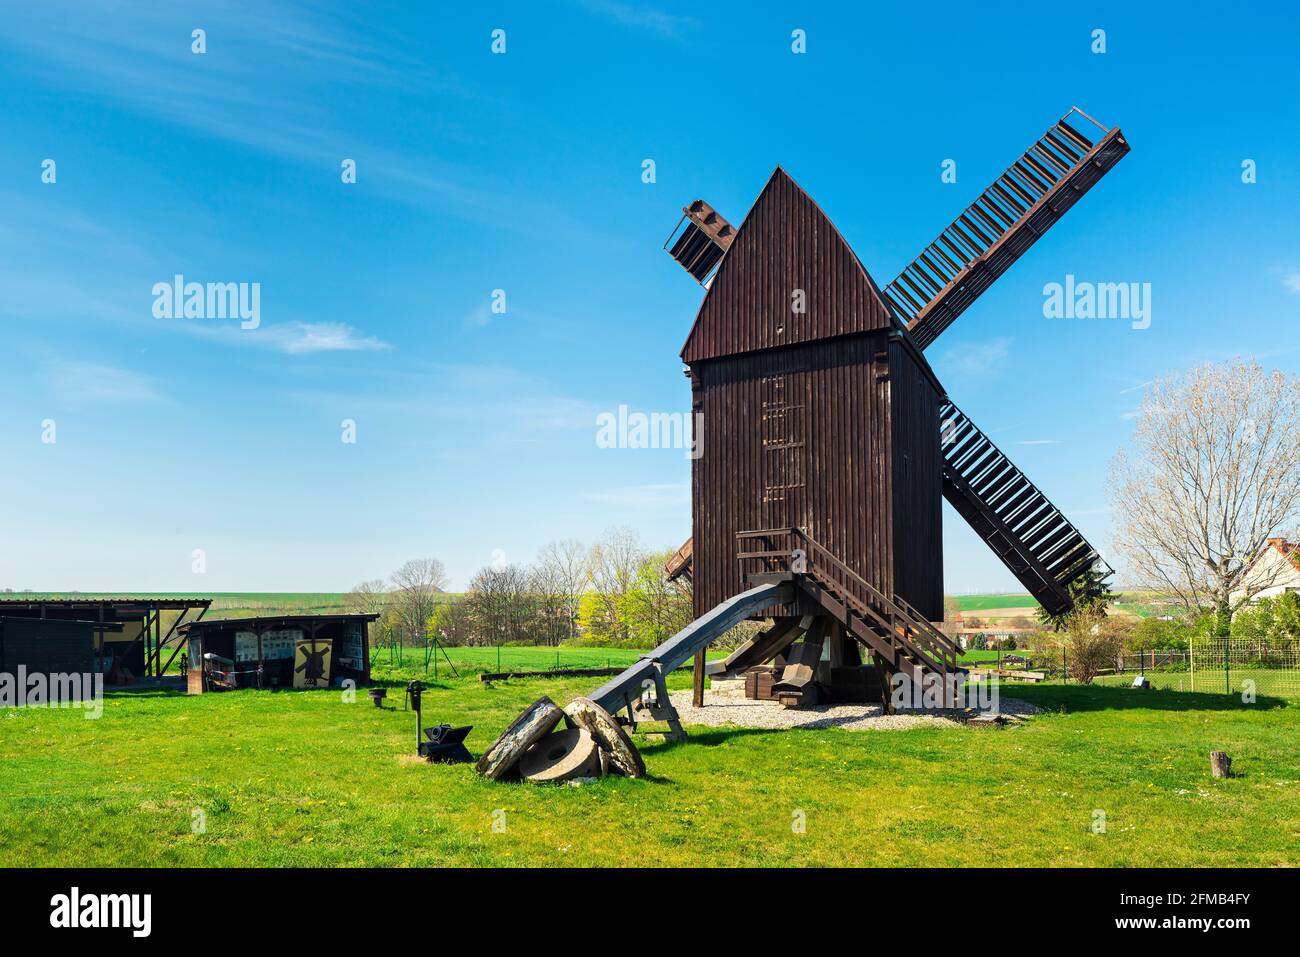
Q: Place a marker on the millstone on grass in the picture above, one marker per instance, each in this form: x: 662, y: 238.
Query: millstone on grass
x: 537, y: 721
x: 620, y: 753
x: 562, y: 756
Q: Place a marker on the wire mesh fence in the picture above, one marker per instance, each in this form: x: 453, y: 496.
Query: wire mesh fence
x: 1233, y: 666
x: 438, y: 660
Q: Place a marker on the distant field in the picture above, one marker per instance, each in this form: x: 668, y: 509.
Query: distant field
x: 987, y: 602
x: 249, y: 604
x: 228, y: 604
x: 1138, y: 604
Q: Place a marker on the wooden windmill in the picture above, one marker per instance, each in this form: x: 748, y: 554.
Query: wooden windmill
x: 828, y: 445
x: 827, y: 431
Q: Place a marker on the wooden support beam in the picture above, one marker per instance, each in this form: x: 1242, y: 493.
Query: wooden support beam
x: 697, y: 686
x: 798, y: 684
x: 886, y: 671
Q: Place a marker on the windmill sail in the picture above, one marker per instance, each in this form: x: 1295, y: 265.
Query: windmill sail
x: 1007, y: 218
x: 1031, y: 536
x: 700, y: 240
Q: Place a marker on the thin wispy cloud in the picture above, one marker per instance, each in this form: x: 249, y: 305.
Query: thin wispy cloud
x: 301, y: 338
x: 1136, y: 388
x: 1039, y: 442
x: 661, y: 496
x: 491, y: 400
x: 95, y: 383
x: 1292, y: 282
x: 258, y: 86
x: 648, y: 18
x: 291, y: 338
x: 477, y: 318
x: 981, y: 360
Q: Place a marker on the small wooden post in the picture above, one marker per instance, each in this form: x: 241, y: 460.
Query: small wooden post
x: 1220, y: 764
x: 886, y: 672
x: 697, y: 689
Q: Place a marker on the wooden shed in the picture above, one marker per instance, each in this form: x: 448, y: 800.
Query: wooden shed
x: 278, y: 651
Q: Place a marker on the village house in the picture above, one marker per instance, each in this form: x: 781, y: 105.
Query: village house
x: 1274, y: 571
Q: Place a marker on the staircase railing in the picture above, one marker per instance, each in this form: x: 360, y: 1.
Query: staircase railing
x: 903, y: 623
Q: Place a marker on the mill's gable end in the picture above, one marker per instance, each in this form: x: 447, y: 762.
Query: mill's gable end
x: 788, y: 277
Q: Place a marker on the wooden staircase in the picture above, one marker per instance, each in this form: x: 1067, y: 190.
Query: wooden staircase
x: 886, y: 625
x: 1007, y: 218
x: 1027, y: 532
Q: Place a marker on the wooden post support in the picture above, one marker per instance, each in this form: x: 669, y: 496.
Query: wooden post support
x: 697, y: 692
x: 1220, y: 764
x: 886, y: 672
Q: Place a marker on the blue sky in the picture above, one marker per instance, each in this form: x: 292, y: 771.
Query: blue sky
x: 522, y: 172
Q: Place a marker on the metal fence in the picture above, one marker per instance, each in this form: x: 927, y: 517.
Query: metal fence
x: 1233, y: 666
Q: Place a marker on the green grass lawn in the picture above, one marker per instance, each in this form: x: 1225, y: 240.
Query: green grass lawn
x: 303, y: 778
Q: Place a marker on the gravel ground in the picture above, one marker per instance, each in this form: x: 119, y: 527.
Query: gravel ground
x: 748, y: 713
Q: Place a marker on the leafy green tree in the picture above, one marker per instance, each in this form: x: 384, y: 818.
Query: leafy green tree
x: 1275, y: 620
x: 1091, y: 595
x: 597, y: 626
x: 654, y: 608
x: 1155, y: 634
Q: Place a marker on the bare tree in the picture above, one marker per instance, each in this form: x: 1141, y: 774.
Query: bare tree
x: 561, y: 575
x: 1213, y: 473
x: 416, y: 586
x: 1093, y: 643
x: 367, y: 598
x: 455, y: 623
x: 501, y: 604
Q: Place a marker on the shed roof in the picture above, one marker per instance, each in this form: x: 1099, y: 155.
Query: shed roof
x: 130, y: 601
x: 214, y: 624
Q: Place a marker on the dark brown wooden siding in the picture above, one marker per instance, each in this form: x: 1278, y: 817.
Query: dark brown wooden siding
x: 785, y: 243
x: 914, y: 400
x: 801, y: 437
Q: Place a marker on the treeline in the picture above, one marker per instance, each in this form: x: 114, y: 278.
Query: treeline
x: 614, y: 593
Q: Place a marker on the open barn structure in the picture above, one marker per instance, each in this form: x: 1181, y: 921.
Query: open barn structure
x: 829, y: 444
x: 131, y: 637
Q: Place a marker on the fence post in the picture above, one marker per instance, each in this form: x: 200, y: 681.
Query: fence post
x: 1227, y: 672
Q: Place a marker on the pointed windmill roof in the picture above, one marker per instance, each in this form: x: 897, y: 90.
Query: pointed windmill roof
x: 785, y: 246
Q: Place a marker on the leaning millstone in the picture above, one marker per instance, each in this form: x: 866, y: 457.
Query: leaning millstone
x: 563, y: 756
x: 530, y: 727
x: 622, y: 755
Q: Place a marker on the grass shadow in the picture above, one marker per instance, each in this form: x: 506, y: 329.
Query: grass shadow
x: 1055, y: 697
x: 709, y: 738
